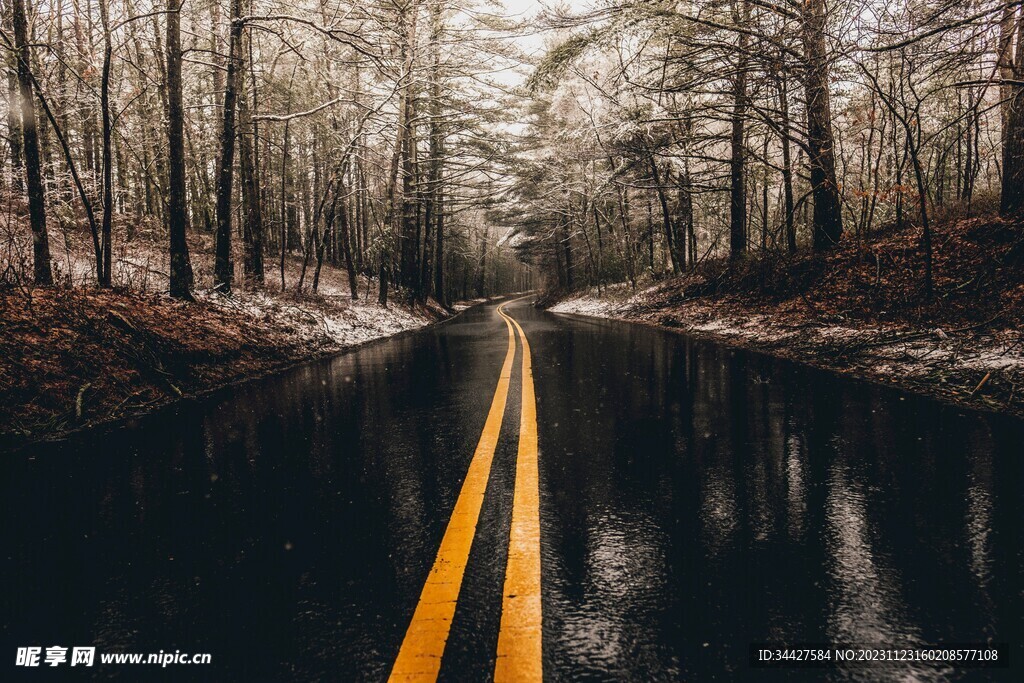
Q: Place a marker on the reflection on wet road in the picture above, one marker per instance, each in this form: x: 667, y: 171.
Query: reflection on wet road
x: 693, y: 499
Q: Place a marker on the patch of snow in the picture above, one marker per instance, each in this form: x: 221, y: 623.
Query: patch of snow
x: 614, y: 300
x: 324, y: 321
x: 463, y: 305
x: 585, y: 305
x: 1001, y: 352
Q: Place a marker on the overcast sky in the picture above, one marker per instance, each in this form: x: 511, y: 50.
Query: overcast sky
x: 524, y: 9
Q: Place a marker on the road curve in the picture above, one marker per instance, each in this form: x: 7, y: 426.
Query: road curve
x: 517, y: 495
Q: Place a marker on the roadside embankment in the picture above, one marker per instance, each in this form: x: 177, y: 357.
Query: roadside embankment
x: 861, y: 311
x: 73, y: 357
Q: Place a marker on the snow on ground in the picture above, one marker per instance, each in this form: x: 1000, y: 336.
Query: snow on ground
x: 463, y: 305
x: 323, y: 322
x: 329, y: 319
x: 612, y: 301
x: 892, y: 349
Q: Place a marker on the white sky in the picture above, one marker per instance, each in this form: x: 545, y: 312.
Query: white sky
x: 524, y: 9
x: 531, y: 44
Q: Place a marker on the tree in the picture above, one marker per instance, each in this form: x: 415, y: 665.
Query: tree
x: 828, y: 216
x: 737, y: 140
x: 181, y: 277
x: 108, y: 150
x: 252, y: 211
x: 1011, y: 60
x: 223, y: 273
x: 42, y: 271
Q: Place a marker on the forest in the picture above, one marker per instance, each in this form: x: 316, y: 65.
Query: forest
x: 353, y: 135
x: 666, y: 134
x: 389, y: 139
x: 424, y: 152
x: 512, y: 340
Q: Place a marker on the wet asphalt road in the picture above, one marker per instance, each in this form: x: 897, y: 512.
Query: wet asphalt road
x: 694, y: 499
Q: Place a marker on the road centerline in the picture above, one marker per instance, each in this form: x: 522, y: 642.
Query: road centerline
x: 419, y: 658
x: 520, y: 639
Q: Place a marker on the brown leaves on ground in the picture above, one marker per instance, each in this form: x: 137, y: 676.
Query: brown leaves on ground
x: 978, y: 270
x: 72, y: 356
x: 863, y: 309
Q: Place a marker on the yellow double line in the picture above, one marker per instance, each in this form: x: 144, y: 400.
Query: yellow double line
x: 519, y: 639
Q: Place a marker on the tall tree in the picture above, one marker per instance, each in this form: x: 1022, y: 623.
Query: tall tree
x: 252, y: 213
x: 1012, y: 63
x: 42, y: 270
x: 828, y: 216
x: 13, y: 111
x: 108, y: 149
x: 223, y: 270
x: 737, y: 139
x: 177, y: 211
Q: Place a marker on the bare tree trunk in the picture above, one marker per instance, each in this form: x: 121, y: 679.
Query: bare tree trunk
x: 395, y: 215
x: 408, y: 231
x: 737, y: 183
x: 434, y: 214
x: 177, y: 210
x: 675, y: 255
x: 685, y: 216
x: 108, y: 158
x: 284, y: 201
x: 1012, y: 197
x: 828, y: 217
x: 325, y: 239
x: 42, y: 271
x: 408, y: 240
x: 223, y: 272
x: 382, y: 295
x: 346, y: 248
x: 764, y: 197
x: 14, y: 134
x: 73, y: 169
x: 1005, y: 61
x: 481, y: 281
x: 252, y: 224
x: 787, y: 162
x: 439, y: 281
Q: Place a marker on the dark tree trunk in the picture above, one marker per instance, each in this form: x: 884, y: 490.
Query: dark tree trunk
x: 1011, y: 199
x: 73, y: 169
x: 346, y: 248
x: 566, y: 243
x: 685, y: 216
x: 252, y: 223
x: 787, y: 161
x: 1012, y: 196
x: 737, y: 159
x: 439, y: 293
x: 828, y: 217
x: 404, y: 210
x: 382, y: 293
x: 108, y: 159
x: 408, y: 226
x: 223, y: 270
x: 177, y: 217
x: 674, y: 250
x: 436, y: 191
x: 324, y: 240
x: 283, y: 241
x: 14, y: 116
x: 42, y: 271
x: 481, y: 279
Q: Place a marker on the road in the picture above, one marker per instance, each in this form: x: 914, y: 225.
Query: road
x: 515, y: 494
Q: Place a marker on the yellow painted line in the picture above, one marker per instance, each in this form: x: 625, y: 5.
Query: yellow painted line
x: 520, y: 642
x: 419, y: 658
